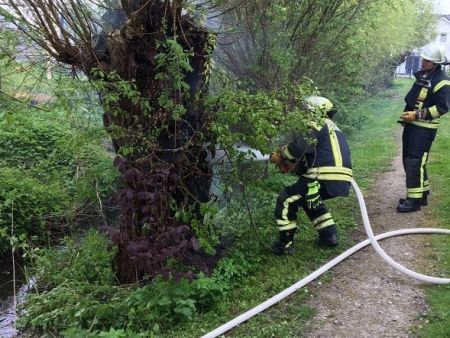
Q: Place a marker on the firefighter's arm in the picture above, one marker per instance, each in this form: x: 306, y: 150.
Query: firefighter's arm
x: 302, y: 145
x: 441, y: 97
x: 287, y: 156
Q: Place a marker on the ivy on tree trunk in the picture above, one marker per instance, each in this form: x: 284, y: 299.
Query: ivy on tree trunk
x: 149, y: 63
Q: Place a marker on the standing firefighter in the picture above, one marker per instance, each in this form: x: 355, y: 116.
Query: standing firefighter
x: 426, y: 102
x: 322, y: 162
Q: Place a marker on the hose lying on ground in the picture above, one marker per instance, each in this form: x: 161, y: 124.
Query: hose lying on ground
x: 371, y: 240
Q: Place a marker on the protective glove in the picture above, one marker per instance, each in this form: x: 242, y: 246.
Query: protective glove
x: 409, y: 116
x: 286, y: 166
x: 276, y: 158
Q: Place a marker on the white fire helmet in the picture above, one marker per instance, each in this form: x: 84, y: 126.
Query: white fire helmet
x: 434, y: 53
x: 320, y: 102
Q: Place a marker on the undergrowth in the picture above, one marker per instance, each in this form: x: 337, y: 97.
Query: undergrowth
x: 52, y: 174
x: 78, y: 296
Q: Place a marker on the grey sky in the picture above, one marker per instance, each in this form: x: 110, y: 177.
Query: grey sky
x: 441, y: 6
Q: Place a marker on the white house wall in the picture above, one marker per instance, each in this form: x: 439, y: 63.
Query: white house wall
x: 443, y: 27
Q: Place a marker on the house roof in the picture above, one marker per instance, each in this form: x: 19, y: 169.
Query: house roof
x: 447, y: 17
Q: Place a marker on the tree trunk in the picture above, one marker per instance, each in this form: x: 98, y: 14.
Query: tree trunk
x: 160, y: 157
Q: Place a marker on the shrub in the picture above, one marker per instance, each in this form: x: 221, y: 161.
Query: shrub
x: 26, y: 204
x: 48, y: 170
x: 78, y: 292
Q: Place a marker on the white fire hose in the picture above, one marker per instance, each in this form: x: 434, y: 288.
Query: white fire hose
x: 371, y: 240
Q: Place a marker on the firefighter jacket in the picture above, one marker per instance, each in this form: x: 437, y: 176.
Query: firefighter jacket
x: 323, y: 155
x: 431, y: 95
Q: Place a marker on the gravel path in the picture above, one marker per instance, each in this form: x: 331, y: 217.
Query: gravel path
x: 366, y: 297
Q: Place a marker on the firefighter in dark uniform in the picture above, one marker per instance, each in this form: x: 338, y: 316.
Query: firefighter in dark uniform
x: 322, y: 162
x: 426, y: 102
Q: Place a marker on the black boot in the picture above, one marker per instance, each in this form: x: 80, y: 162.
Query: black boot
x: 285, y: 243
x: 423, y: 202
x: 410, y: 205
x: 328, y: 236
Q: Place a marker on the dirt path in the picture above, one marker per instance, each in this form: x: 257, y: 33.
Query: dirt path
x: 366, y: 297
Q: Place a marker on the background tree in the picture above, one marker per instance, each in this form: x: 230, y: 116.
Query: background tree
x: 339, y: 44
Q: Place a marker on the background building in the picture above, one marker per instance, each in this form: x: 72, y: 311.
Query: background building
x: 413, y: 60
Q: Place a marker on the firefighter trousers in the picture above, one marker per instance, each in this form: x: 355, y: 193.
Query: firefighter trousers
x: 416, y: 146
x: 309, y: 195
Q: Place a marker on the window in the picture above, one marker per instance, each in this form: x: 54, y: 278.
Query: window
x: 443, y: 37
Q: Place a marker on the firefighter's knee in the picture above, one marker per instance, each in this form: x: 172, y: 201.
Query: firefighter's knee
x: 282, y: 196
x: 413, y: 163
x: 287, y: 205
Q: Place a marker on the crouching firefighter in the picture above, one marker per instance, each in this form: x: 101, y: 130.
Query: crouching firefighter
x: 426, y: 102
x: 322, y: 161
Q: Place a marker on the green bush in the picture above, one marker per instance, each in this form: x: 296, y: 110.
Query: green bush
x: 26, y: 205
x: 86, y: 261
x: 79, y: 293
x: 25, y: 143
x: 48, y: 170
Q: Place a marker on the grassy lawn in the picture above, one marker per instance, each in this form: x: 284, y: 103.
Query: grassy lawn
x: 437, y: 322
x: 372, y: 149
